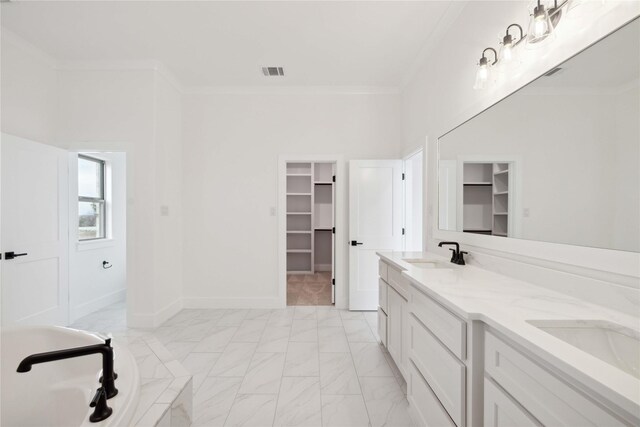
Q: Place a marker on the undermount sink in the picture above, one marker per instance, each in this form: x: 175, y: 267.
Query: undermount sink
x: 614, y: 344
x: 424, y: 263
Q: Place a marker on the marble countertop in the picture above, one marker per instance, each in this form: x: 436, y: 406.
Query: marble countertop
x: 506, y: 304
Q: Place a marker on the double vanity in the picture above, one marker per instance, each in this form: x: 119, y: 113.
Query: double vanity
x: 478, y: 348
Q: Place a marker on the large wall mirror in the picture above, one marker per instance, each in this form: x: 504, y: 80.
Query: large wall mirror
x: 557, y: 161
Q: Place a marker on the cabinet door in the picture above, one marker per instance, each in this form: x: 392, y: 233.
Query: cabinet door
x: 394, y: 325
x: 501, y: 411
x: 404, y: 345
x: 382, y: 326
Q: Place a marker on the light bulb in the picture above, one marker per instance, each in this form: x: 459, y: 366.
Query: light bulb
x: 507, y: 53
x: 540, y: 27
x: 482, y: 75
x: 483, y: 72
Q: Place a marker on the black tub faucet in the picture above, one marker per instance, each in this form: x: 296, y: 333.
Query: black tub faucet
x: 108, y: 376
x: 457, y: 256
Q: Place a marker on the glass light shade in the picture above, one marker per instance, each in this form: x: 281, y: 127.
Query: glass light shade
x: 540, y: 27
x: 482, y: 76
x: 509, y: 57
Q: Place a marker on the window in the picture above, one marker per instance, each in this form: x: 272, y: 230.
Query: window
x: 91, y: 202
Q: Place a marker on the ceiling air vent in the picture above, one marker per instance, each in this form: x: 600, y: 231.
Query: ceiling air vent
x: 552, y: 72
x: 273, y: 71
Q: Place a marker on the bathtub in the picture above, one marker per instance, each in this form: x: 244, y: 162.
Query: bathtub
x: 58, y: 393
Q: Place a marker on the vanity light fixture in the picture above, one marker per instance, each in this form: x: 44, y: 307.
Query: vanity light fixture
x: 543, y: 22
x: 482, y: 75
x: 540, y: 25
x: 507, y: 53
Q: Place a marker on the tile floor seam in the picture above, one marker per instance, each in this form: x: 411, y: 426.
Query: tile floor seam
x: 357, y: 375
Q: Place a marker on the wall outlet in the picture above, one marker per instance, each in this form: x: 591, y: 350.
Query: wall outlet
x: 525, y: 212
x: 164, y: 210
x: 272, y: 211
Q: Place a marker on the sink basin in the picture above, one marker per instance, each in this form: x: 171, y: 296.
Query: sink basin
x: 614, y: 344
x: 424, y: 263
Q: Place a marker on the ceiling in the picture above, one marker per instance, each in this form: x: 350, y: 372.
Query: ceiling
x: 322, y: 43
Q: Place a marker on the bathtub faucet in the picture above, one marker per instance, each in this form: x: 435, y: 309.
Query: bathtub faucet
x: 108, y: 376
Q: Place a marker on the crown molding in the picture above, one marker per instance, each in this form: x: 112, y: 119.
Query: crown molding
x: 292, y: 90
x: 122, y: 65
x: 37, y: 53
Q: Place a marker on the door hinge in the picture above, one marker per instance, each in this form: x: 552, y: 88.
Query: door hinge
x: 333, y: 230
x: 403, y: 176
x: 333, y: 178
x: 403, y: 231
x: 333, y: 281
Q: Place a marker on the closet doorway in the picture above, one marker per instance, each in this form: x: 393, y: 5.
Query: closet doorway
x: 310, y: 228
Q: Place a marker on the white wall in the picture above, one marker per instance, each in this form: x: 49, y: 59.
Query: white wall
x: 231, y: 144
x: 135, y: 111
x: 28, y: 90
x: 440, y: 96
x: 92, y: 287
x: 167, y: 279
x: 111, y: 107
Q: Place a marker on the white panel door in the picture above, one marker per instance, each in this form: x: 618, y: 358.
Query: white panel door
x: 375, y: 224
x: 34, y: 225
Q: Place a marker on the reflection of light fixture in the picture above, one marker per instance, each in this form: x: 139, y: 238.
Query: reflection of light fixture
x: 507, y: 53
x: 482, y: 75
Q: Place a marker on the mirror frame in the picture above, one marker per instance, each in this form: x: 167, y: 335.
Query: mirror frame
x: 624, y: 263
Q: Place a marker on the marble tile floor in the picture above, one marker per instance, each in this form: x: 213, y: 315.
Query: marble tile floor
x: 298, y: 366
x: 309, y: 289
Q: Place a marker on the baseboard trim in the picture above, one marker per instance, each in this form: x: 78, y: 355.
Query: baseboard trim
x: 248, y: 303
x: 153, y: 320
x: 89, y: 307
x: 168, y: 312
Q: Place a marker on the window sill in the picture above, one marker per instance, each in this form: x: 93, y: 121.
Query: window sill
x: 89, y: 245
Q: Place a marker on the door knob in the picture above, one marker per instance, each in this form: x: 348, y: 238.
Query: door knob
x: 355, y: 243
x: 12, y: 255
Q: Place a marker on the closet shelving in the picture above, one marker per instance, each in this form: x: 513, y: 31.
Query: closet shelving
x: 486, y: 198
x: 309, y: 217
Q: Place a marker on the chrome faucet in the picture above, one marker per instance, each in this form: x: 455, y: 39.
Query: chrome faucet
x: 108, y: 389
x: 457, y: 256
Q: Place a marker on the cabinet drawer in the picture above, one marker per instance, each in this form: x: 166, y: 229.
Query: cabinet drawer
x: 382, y: 295
x: 382, y: 327
x: 444, y: 373
x: 501, y: 411
x: 446, y: 326
x: 424, y: 404
x: 398, y: 282
x: 382, y: 270
x: 548, y: 398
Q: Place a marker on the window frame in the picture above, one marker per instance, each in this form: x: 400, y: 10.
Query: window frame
x: 101, y: 201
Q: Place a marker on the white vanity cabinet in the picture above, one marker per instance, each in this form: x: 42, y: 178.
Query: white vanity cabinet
x: 396, y: 305
x: 437, y: 352
x: 393, y: 314
x: 465, y: 372
x: 537, y: 395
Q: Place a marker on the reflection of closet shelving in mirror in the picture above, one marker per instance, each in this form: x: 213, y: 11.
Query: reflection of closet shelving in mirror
x: 501, y: 199
x: 485, y: 195
x: 477, y: 190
